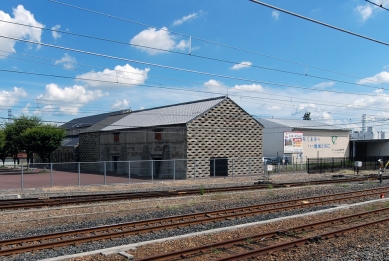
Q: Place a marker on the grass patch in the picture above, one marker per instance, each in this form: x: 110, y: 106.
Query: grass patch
x: 249, y: 240
x: 216, y: 251
x: 202, y: 190
x: 218, y: 196
x: 342, y: 185
x: 270, y: 186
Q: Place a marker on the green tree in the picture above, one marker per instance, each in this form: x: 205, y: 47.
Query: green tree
x: 3, y: 148
x: 13, y: 132
x: 43, y: 140
x: 307, y: 116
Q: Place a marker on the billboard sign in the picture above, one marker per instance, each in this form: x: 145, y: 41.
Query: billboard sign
x: 293, y: 142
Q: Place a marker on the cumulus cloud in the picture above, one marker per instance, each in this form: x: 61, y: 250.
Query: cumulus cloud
x: 122, y: 74
x: 26, y: 110
x: 365, y: 11
x: 187, y: 18
x: 241, y: 65
x: 70, y: 99
x: 323, y: 85
x: 159, y: 39
x: 248, y: 87
x: 274, y: 108
x: 54, y: 33
x: 22, y: 16
x: 275, y: 14
x: 67, y: 61
x: 10, y: 98
x: 382, y: 77
x: 215, y: 86
x: 120, y: 104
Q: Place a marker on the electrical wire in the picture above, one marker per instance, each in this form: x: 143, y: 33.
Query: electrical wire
x: 204, y: 40
x: 318, y: 22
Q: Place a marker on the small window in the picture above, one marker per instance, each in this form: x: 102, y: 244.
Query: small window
x: 158, y: 136
x: 116, y: 137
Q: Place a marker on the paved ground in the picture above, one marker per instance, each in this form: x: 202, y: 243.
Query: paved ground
x: 39, y: 178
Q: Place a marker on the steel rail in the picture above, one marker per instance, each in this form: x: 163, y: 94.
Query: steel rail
x: 20, y: 245
x: 301, y: 241
x: 185, y: 253
x: 78, y: 199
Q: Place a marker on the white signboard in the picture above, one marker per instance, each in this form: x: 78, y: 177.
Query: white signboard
x: 293, y: 142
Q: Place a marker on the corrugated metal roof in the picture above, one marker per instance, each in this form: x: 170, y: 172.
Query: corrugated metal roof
x: 167, y: 115
x: 299, y: 124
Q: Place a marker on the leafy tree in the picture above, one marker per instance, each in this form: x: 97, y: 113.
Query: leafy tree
x: 13, y: 132
x: 307, y: 116
x: 3, y: 148
x: 43, y: 140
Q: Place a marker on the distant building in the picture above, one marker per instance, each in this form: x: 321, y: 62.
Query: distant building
x: 186, y: 138
x: 319, y: 139
x: 369, y: 143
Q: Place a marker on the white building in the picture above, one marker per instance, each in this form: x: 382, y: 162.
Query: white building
x: 319, y: 139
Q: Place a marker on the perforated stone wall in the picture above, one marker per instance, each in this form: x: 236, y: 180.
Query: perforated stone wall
x: 225, y: 131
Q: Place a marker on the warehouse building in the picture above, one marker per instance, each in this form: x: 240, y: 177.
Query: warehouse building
x: 206, y: 137
x: 302, y: 139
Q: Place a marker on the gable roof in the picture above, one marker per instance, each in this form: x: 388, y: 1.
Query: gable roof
x: 299, y: 124
x: 174, y: 114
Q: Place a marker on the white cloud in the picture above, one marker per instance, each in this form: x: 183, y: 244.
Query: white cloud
x: 25, y: 110
x: 187, y: 18
x: 159, y: 39
x: 122, y: 74
x: 323, y: 85
x: 183, y: 45
x: 67, y: 100
x: 241, y: 65
x: 365, y: 11
x: 274, y: 108
x: 55, y: 34
x: 382, y: 77
x: 275, y: 14
x: 215, y: 86
x: 10, y: 98
x: 123, y: 104
x: 67, y: 61
x: 22, y: 16
x: 248, y: 87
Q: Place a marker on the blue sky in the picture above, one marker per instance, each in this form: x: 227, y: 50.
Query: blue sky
x: 279, y: 75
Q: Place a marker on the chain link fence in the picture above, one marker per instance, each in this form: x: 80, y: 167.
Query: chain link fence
x: 38, y: 175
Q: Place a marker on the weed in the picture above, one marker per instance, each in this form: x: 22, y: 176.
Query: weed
x: 270, y: 186
x: 370, y: 208
x: 249, y: 240
x: 202, y: 190
x: 387, y: 204
x: 216, y: 251
x: 271, y: 194
x: 218, y: 196
x: 342, y: 185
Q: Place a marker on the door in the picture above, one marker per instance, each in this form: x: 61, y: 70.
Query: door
x: 115, y: 163
x: 218, y: 166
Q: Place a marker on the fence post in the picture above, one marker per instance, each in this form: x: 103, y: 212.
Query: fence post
x: 105, y: 173
x: 232, y: 168
x: 249, y: 167
x: 22, y: 178
x: 79, y: 174
x: 214, y: 167
x: 307, y: 163
x: 332, y: 165
x: 129, y: 172
x: 194, y: 169
x: 152, y: 171
x: 174, y: 170
x: 51, y: 174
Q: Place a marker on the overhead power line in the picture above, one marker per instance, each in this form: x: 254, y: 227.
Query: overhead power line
x: 178, y: 68
x: 205, y: 40
x: 321, y: 23
x: 380, y: 6
x: 203, y: 57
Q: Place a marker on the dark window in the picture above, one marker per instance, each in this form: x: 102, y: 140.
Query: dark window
x: 116, y: 137
x: 158, y: 136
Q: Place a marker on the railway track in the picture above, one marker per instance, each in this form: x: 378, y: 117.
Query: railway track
x: 78, y: 199
x: 268, y: 242
x: 39, y: 242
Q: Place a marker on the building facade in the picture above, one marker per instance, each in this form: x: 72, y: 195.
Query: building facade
x: 200, y: 138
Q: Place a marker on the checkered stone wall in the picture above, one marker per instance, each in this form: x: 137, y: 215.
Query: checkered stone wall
x: 226, y: 131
